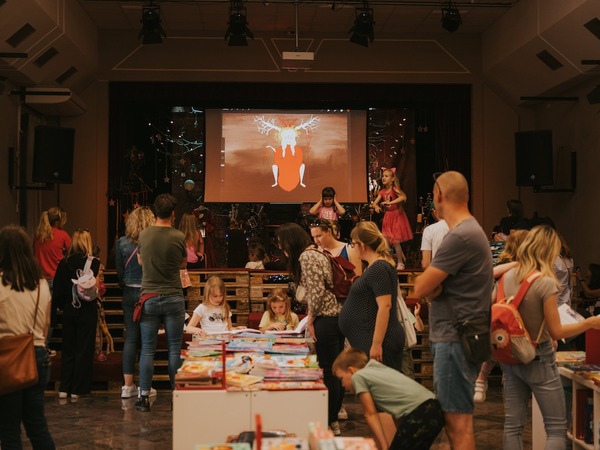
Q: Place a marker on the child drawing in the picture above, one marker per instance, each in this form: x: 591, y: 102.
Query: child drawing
x: 288, y: 162
x: 395, y: 226
x: 279, y: 315
x: 213, y: 314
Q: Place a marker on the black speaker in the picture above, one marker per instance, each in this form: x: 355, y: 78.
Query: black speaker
x: 533, y: 158
x: 53, y: 154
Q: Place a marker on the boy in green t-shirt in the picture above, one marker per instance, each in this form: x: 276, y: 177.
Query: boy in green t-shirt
x: 416, y: 411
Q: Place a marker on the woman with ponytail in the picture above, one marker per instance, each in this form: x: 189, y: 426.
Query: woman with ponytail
x: 368, y: 318
x: 51, y: 241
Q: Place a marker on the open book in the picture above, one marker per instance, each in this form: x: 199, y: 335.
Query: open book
x: 299, y: 328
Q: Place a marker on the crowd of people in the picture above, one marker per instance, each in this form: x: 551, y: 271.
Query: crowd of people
x: 359, y: 342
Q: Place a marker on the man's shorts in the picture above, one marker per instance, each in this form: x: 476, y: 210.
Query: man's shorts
x: 453, y: 377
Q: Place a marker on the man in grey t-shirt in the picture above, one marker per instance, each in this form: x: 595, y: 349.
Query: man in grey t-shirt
x: 458, y: 283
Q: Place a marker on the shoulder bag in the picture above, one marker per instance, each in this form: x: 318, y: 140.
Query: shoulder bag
x: 17, y: 359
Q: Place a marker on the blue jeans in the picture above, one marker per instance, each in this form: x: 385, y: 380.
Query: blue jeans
x: 541, y: 378
x: 169, y: 310
x: 132, y: 329
x: 27, y: 406
x: 453, y: 377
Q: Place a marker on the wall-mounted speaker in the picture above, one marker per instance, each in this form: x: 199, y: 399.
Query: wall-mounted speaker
x: 533, y: 158
x: 53, y: 154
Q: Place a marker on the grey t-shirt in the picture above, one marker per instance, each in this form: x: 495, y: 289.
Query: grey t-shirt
x: 532, y: 306
x: 465, y: 256
x: 161, y: 249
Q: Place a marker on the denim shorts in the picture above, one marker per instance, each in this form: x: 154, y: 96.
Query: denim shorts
x: 453, y: 377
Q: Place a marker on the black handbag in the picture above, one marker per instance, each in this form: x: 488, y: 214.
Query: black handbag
x: 475, y: 339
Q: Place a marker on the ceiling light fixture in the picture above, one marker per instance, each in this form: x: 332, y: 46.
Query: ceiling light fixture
x: 237, y: 29
x: 362, y: 31
x: 451, y: 19
x: 151, y: 32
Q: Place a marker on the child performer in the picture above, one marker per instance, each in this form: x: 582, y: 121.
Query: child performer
x: 416, y: 411
x: 328, y: 207
x: 279, y: 315
x: 213, y: 313
x: 193, y: 241
x: 256, y: 256
x: 395, y: 226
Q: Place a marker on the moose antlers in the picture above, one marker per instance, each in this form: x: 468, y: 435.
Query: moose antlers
x: 265, y: 126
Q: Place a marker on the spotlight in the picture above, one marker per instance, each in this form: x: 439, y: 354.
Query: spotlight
x: 451, y: 19
x: 362, y: 31
x: 151, y: 32
x: 237, y: 29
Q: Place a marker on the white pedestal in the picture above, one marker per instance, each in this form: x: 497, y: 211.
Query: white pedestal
x: 210, y: 416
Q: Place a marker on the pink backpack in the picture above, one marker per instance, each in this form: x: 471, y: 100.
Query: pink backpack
x: 511, y: 343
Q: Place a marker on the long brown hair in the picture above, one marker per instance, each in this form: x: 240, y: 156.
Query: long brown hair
x: 293, y: 240
x: 19, y: 268
x: 189, y: 227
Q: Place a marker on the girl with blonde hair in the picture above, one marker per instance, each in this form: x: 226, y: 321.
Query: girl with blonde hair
x: 51, y: 241
x: 193, y: 240
x: 129, y: 273
x: 395, y: 225
x: 368, y: 318
x: 213, y: 314
x: 539, y: 311
x: 79, y: 318
x: 279, y: 315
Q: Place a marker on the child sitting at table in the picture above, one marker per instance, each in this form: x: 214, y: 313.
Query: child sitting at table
x: 256, y: 256
x: 414, y: 408
x: 279, y: 315
x: 213, y: 314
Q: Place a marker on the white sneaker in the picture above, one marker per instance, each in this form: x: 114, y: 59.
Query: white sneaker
x: 62, y: 395
x: 343, y: 414
x: 480, y: 390
x: 400, y: 266
x: 129, y: 391
x: 152, y: 393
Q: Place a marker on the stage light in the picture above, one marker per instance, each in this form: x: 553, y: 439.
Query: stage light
x: 451, y: 19
x: 362, y: 31
x: 237, y: 29
x: 151, y: 32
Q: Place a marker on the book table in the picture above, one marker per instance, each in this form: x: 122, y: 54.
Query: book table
x: 201, y: 416
x: 580, y: 393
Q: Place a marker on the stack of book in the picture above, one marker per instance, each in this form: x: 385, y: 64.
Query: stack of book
x: 251, y: 362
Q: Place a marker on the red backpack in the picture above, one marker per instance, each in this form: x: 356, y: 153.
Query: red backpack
x: 511, y: 343
x: 343, y: 274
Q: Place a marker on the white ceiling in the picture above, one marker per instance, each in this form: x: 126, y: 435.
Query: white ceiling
x: 329, y: 17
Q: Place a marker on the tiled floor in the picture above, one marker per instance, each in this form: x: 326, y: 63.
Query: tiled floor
x: 104, y: 421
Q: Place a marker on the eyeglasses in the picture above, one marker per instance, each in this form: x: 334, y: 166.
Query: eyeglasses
x: 435, y: 177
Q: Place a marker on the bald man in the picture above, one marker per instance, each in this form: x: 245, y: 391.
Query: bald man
x: 458, y: 283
